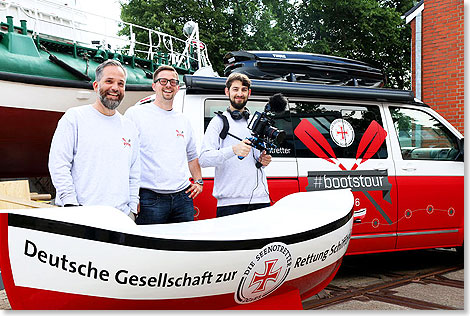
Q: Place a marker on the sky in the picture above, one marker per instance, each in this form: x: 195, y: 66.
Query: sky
x: 108, y: 8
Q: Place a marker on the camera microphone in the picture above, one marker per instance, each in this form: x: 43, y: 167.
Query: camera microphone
x: 277, y: 103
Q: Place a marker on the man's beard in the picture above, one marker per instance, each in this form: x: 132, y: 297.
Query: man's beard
x: 109, y: 104
x: 238, y: 106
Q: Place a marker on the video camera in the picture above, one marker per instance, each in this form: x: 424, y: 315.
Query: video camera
x: 265, y: 136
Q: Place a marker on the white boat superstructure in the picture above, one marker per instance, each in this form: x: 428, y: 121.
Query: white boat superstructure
x: 65, y: 22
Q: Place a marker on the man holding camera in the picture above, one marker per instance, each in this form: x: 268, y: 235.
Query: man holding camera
x: 168, y: 150
x: 239, y: 186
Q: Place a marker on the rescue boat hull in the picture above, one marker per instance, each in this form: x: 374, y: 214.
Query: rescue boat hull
x: 78, y: 258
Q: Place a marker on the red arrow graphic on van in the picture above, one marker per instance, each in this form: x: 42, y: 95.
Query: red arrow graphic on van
x: 316, y: 142
x: 370, y: 142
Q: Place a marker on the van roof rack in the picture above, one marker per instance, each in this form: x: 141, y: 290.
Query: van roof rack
x: 303, y: 67
x: 216, y: 85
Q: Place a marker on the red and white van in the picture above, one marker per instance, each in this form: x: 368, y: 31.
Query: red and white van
x: 402, y: 160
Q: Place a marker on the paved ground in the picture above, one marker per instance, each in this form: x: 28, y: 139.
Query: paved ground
x: 4, y: 304
x: 363, y: 271
x: 437, y: 294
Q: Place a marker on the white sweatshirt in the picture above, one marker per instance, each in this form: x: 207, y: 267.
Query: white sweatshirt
x: 94, y: 160
x: 236, y: 181
x: 166, y: 146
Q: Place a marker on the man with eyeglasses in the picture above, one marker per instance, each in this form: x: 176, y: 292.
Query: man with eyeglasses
x: 168, y: 152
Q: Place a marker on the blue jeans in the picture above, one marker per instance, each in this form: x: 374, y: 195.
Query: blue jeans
x: 241, y: 208
x: 157, y: 208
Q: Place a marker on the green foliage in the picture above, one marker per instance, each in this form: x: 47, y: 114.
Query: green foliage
x: 367, y: 30
x: 358, y: 29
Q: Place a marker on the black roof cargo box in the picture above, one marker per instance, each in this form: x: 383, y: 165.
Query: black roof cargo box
x: 303, y: 67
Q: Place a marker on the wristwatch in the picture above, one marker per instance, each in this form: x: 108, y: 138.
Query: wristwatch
x: 199, y: 181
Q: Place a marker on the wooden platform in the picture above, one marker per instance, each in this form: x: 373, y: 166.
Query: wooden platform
x: 16, y: 195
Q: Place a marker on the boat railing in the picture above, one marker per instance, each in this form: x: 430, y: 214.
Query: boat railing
x: 68, y: 24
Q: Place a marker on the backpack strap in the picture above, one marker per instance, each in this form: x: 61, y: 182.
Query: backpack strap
x: 225, y: 128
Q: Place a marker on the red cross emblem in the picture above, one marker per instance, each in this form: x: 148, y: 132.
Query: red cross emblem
x: 342, y: 132
x: 268, y: 275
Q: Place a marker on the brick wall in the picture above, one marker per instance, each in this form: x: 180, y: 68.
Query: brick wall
x: 443, y: 59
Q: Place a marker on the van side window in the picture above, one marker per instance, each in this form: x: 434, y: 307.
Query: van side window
x: 422, y: 137
x: 342, y: 127
x: 281, y: 122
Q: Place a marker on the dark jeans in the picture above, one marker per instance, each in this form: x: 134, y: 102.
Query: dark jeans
x: 235, y: 209
x: 156, y: 208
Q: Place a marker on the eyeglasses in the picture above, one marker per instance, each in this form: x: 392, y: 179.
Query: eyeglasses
x: 164, y: 81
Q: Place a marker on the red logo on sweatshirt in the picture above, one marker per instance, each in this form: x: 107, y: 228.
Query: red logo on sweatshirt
x: 126, y: 142
x: 178, y: 133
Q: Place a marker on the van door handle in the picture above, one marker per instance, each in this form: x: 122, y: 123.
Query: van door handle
x: 409, y: 167
x: 381, y: 169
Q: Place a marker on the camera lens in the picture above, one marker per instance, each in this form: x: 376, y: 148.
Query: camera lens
x: 277, y: 135
x: 281, y: 137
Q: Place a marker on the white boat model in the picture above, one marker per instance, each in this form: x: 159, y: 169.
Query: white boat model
x: 98, y: 258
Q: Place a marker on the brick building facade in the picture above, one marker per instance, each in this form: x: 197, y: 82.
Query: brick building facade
x: 437, y: 57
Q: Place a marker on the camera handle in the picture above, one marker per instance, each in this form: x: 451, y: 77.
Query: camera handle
x: 237, y: 138
x: 249, y: 138
x: 253, y: 141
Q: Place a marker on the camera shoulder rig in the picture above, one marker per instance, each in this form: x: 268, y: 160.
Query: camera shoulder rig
x: 224, y: 132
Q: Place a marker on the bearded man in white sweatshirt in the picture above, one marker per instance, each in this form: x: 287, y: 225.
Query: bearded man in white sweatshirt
x: 94, y: 155
x: 239, y: 186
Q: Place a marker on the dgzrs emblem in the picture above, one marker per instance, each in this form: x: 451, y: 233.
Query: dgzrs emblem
x: 342, y: 132
x: 265, y: 273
